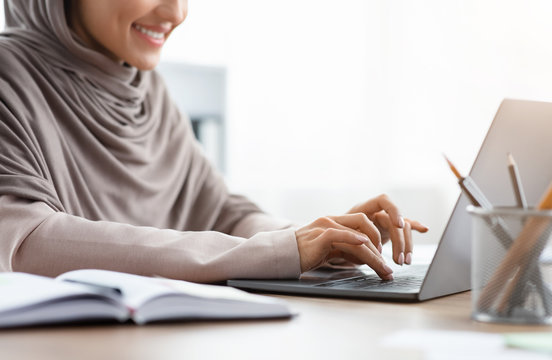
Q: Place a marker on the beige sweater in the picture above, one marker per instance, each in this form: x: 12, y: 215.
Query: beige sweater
x: 39, y: 240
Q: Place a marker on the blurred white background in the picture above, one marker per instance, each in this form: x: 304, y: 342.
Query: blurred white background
x: 330, y: 103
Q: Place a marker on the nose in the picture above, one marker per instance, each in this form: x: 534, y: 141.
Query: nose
x: 174, y: 11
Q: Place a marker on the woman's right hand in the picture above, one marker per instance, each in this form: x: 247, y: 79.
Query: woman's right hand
x: 357, y: 237
x: 334, y: 237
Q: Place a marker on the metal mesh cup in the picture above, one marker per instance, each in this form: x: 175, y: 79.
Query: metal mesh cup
x: 511, y: 274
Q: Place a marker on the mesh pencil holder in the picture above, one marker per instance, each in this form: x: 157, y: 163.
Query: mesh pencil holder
x: 511, y: 273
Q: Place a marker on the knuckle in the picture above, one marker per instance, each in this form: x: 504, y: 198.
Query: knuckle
x: 323, y: 221
x: 330, y: 233
x: 362, y: 217
x: 317, y: 232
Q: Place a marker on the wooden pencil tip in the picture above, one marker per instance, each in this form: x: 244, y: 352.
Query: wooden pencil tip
x: 447, y: 159
x: 452, y: 167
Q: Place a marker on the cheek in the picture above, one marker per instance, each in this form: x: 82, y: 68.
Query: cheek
x: 116, y: 33
x: 107, y: 24
x: 114, y: 43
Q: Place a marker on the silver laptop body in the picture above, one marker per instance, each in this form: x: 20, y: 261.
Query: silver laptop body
x: 523, y: 128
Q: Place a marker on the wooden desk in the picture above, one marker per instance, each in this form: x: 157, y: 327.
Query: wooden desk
x: 325, y: 328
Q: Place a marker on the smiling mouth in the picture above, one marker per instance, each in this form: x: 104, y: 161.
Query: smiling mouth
x: 153, y: 34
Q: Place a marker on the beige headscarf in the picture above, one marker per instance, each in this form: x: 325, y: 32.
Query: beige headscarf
x: 97, y: 139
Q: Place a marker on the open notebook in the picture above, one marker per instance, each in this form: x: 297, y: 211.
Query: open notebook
x: 100, y: 295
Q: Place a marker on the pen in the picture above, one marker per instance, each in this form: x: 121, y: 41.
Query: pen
x: 516, y: 182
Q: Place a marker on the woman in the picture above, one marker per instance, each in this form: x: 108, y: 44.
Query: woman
x: 99, y: 170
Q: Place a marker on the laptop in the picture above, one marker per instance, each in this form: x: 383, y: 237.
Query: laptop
x: 523, y: 128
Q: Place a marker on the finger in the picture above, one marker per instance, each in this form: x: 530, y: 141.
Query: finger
x: 416, y: 225
x: 318, y: 245
x: 325, y: 223
x: 408, y: 245
x: 351, y: 258
x: 360, y: 223
x: 340, y: 262
x: 365, y: 256
x: 379, y: 203
x: 347, y: 236
x: 333, y: 239
x: 333, y: 235
x: 396, y: 235
x: 345, y: 258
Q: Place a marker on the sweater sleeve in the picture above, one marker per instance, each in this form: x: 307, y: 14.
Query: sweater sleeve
x: 37, y: 239
x: 260, y: 222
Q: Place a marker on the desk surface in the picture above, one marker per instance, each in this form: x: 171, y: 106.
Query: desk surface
x: 325, y: 328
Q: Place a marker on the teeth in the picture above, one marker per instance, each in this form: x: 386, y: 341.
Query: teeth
x: 153, y: 34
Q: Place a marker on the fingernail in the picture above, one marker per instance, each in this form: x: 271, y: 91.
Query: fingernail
x: 400, y: 261
x: 401, y: 222
x: 408, y: 259
x: 388, y: 270
x: 363, y: 239
x: 380, y: 248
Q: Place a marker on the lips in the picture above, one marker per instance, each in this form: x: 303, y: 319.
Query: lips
x: 153, y: 35
x: 149, y: 32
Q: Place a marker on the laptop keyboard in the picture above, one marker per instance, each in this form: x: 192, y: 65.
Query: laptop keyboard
x: 404, y: 281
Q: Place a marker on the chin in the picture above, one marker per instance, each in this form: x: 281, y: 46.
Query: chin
x: 144, y: 63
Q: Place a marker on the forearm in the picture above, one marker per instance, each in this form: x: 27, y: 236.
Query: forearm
x: 55, y: 242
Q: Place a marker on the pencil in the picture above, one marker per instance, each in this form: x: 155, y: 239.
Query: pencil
x: 470, y: 188
x: 516, y: 182
x: 477, y: 198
